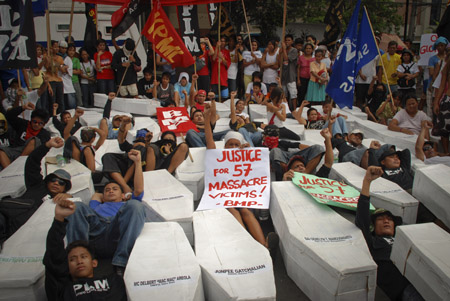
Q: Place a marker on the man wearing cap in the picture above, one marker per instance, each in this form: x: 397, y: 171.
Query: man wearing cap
x: 66, y: 72
x: 425, y: 149
x: 298, y: 164
x: 55, y: 184
x: 379, y: 231
x: 123, y: 61
x: 390, y: 60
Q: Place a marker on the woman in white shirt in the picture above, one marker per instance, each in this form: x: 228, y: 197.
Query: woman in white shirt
x: 252, y: 62
x: 87, y: 81
x: 269, y: 63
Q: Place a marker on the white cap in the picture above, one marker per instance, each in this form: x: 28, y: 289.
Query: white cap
x: 234, y: 135
x: 63, y: 44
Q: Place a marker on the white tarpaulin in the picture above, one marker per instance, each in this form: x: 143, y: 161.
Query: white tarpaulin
x: 420, y: 252
x: 234, y: 265
x: 131, y: 105
x: 236, y: 178
x: 163, y: 266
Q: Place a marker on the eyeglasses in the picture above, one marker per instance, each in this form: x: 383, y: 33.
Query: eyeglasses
x: 427, y: 148
x: 37, y: 122
x: 60, y: 182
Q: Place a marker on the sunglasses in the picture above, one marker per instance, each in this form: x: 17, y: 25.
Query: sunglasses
x: 37, y: 122
x: 426, y: 148
x: 60, y: 182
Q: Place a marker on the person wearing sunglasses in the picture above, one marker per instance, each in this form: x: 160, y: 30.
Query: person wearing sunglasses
x: 55, y: 184
x: 29, y: 134
x: 425, y: 149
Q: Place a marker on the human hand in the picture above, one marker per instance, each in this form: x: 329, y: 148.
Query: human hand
x: 56, y: 142
x: 63, y: 209
x: 288, y: 175
x: 304, y: 103
x: 61, y: 197
x: 79, y: 113
x: 325, y: 133
x: 126, y: 64
x: 426, y: 124
x: 132, y: 59
x: 233, y: 94
x: 194, y: 76
x: 375, y: 144
x: 134, y: 155
x: 373, y: 173
x: 111, y: 95
x: 28, y: 106
x: 406, y: 131
x: 55, y: 107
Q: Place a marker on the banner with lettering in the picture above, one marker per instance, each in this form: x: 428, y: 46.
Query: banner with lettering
x: 17, y: 37
x: 212, y: 9
x: 426, y: 48
x: 226, y: 27
x: 174, y: 119
x: 189, y: 29
x: 236, y: 178
x: 329, y: 192
x: 168, y: 43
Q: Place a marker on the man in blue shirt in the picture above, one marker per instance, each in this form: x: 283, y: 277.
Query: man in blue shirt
x: 109, y: 223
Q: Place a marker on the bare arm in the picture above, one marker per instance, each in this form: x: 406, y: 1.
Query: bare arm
x: 329, y: 156
x: 210, y: 144
x: 393, y: 126
x: 232, y: 107
x: 135, y: 156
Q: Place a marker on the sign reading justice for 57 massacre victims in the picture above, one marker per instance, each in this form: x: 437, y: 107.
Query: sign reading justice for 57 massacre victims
x: 236, y: 178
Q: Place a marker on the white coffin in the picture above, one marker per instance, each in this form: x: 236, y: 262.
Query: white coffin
x: 325, y: 255
x: 432, y: 188
x: 12, y: 181
x: 383, y: 193
x: 223, y: 109
x: 81, y: 179
x: 223, y: 124
x: 138, y: 106
x: 191, y: 174
x: 109, y: 146
x: 257, y: 111
x: 163, y: 266
x: 164, y: 194
x: 420, y: 252
x: 21, y: 268
x: 234, y: 265
x: 296, y: 127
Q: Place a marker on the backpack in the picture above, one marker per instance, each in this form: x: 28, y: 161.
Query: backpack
x: 14, y: 213
x: 403, y: 82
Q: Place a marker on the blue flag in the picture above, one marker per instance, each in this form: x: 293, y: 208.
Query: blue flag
x: 366, y: 47
x: 39, y: 7
x: 342, y: 80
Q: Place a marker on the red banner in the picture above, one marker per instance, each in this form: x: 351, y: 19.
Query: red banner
x: 161, y: 2
x: 105, y: 2
x: 174, y: 119
x: 168, y: 43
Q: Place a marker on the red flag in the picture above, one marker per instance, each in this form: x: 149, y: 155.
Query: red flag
x: 118, y: 15
x: 174, y: 119
x: 168, y: 43
x: 189, y: 2
x: 105, y: 2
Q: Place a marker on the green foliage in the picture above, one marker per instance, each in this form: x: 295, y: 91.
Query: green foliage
x: 267, y: 15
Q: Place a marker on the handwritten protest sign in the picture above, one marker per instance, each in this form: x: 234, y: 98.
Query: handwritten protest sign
x: 327, y: 191
x: 236, y: 178
x: 426, y: 48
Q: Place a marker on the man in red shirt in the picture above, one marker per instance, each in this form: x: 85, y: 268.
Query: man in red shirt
x: 220, y: 56
x: 105, y: 75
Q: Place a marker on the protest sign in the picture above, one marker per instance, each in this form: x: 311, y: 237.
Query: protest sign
x: 329, y: 192
x: 236, y: 178
x: 174, y: 119
x: 426, y: 48
x: 189, y: 29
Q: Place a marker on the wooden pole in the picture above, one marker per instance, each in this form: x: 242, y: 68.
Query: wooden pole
x: 218, y: 54
x: 20, y: 87
x: 379, y: 54
x: 71, y: 22
x: 283, y: 34
x: 96, y: 22
x: 248, y: 28
x: 126, y: 69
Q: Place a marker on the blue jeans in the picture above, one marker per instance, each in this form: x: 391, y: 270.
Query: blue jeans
x: 70, y: 101
x: 356, y: 155
x: 108, y: 234
x: 195, y: 139
x: 105, y: 86
x: 339, y: 126
x: 254, y: 139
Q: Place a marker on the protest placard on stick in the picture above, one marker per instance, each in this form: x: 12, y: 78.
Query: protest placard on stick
x: 236, y: 178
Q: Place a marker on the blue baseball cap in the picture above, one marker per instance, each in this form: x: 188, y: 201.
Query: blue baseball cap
x: 141, y: 133
x: 440, y: 40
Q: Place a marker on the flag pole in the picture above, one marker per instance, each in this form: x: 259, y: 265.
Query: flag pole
x: 218, y: 55
x: 126, y: 69
x: 248, y: 28
x: 96, y: 21
x: 379, y: 54
x: 20, y: 87
x: 283, y: 34
x: 71, y: 22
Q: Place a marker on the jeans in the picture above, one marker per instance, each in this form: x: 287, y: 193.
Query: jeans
x: 339, y: 126
x: 108, y: 234
x: 195, y: 139
x: 78, y: 93
x: 70, y: 101
x: 58, y: 97
x: 88, y: 94
x: 254, y: 139
x: 356, y: 155
x: 105, y: 86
